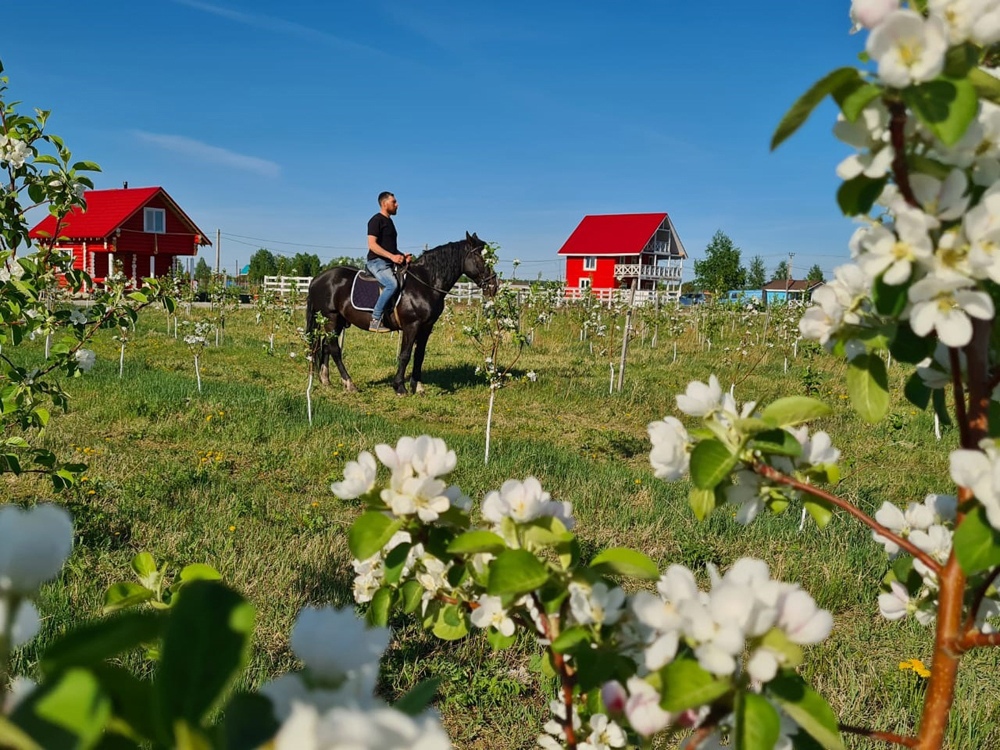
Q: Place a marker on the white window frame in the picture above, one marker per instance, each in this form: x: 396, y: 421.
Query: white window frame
x: 590, y: 263
x: 154, y: 220
x: 585, y: 282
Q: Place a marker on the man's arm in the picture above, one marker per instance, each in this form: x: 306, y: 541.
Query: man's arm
x: 380, y: 251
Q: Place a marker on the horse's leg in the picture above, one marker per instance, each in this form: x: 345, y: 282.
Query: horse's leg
x: 418, y: 360
x: 405, y: 348
x: 323, y: 352
x: 333, y: 343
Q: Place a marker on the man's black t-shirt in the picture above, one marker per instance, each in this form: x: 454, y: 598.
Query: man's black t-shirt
x: 384, y: 231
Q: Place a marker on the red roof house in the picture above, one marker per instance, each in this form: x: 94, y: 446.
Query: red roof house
x: 613, y: 251
x: 141, y: 228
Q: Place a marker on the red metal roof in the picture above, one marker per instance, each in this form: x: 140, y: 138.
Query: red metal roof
x: 106, y: 211
x: 612, y: 234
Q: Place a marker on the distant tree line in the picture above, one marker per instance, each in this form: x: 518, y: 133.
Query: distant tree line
x: 265, y: 263
x: 722, y: 270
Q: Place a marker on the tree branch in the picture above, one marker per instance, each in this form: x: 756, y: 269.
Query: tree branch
x: 565, y: 672
x: 958, y: 389
x: 977, y: 600
x: 897, y: 134
x: 879, y: 736
x: 776, y: 476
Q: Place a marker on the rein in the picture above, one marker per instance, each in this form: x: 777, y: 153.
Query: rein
x: 446, y: 292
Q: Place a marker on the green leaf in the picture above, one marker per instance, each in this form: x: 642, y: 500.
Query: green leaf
x: 625, y: 562
x: 855, y: 96
x: 139, y: 297
x: 95, y: 642
x: 986, y: 86
x: 395, y: 562
x: 144, y: 566
x: 820, y: 511
x: 793, y: 410
x: 516, y: 571
x: 248, y: 721
x: 802, y: 108
x: 868, y: 386
x: 418, y: 698
x: 711, y: 462
x: 777, y: 442
x: 70, y: 711
x: 12, y: 736
x: 687, y: 685
x: 976, y: 543
x: 807, y: 708
x: 907, y: 346
x: 857, y: 195
x: 378, y: 610
x: 945, y: 105
x: 370, y: 532
x: 889, y: 299
x: 412, y: 594
x: 498, y: 640
x: 570, y: 638
x: 702, y: 502
x: 757, y: 724
x: 124, y: 595
x: 199, y: 572
x: 451, y: 623
x: 776, y: 640
x: 87, y: 166
x: 472, y: 542
x: 916, y: 392
x: 206, y: 646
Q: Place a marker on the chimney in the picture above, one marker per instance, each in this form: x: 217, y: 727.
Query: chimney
x: 125, y: 185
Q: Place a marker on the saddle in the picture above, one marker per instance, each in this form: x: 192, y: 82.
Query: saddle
x: 365, y: 291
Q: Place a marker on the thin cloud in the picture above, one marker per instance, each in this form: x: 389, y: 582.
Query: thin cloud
x: 279, y: 25
x: 205, y: 152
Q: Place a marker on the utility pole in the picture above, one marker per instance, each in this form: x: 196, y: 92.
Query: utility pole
x: 218, y: 249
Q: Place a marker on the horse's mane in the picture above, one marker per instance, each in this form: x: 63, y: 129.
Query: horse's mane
x: 438, y: 260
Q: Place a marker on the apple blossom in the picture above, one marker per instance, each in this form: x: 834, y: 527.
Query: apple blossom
x: 946, y: 306
x: 908, y: 48
x: 359, y: 478
x: 34, y: 544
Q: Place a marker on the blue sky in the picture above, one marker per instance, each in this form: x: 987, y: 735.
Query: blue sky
x: 279, y: 123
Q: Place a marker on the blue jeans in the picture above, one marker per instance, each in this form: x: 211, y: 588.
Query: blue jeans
x: 381, y: 269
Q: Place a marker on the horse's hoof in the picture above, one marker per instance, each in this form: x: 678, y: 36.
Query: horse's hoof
x: 417, y: 387
x: 349, y: 386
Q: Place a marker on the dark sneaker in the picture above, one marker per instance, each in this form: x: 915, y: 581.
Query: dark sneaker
x: 376, y: 326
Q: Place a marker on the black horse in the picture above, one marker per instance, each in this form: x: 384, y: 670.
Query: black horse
x: 428, y: 280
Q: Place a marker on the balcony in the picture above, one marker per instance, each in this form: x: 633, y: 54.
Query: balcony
x: 655, y: 273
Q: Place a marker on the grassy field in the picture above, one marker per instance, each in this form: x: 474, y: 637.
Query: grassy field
x: 235, y: 476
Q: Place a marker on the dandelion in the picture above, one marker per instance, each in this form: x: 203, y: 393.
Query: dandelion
x: 232, y: 528
x: 915, y: 665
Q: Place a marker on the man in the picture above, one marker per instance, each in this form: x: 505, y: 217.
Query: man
x: 382, y: 255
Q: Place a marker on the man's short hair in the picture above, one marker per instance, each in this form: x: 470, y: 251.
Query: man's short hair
x: 384, y: 196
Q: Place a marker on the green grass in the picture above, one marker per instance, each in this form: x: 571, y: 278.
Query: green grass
x: 235, y: 476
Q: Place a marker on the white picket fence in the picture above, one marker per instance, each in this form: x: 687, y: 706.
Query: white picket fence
x: 286, y: 284
x: 617, y: 296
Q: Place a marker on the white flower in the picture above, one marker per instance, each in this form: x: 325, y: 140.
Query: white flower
x: 352, y: 728
x: 85, y: 359
x: 945, y: 306
x: 959, y: 16
x: 34, y: 544
x: 749, y: 493
x: 490, y: 613
x: 907, y: 48
x: 670, y: 458
x: 803, y: 622
x: 701, y: 400
x: 895, y: 604
x: 334, y: 643
x: 77, y: 318
x: 870, y: 13
x: 893, y: 254
x: 986, y: 29
x: 25, y: 624
x: 596, y: 605
x: 521, y: 501
x: 947, y: 199
x: 643, y: 708
x: 13, y: 151
x: 421, y: 495
x: 824, y: 317
x: 604, y: 734
x: 359, y: 478
x: 892, y: 519
x: 422, y: 456
x: 982, y: 229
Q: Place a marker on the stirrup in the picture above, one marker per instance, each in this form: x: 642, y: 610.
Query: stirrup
x: 376, y: 326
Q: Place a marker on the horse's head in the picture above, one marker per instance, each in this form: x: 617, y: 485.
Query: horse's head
x: 475, y: 266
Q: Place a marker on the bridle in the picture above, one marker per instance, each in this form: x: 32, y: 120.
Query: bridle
x: 482, y: 284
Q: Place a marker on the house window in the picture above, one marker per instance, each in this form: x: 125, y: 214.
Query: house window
x: 585, y: 283
x: 590, y: 263
x: 154, y: 220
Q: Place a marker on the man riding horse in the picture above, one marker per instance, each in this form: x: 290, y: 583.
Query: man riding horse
x: 383, y: 254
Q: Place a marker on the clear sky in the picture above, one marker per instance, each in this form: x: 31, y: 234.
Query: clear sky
x: 279, y: 123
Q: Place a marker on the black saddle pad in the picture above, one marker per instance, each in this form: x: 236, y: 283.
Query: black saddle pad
x: 365, y: 292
